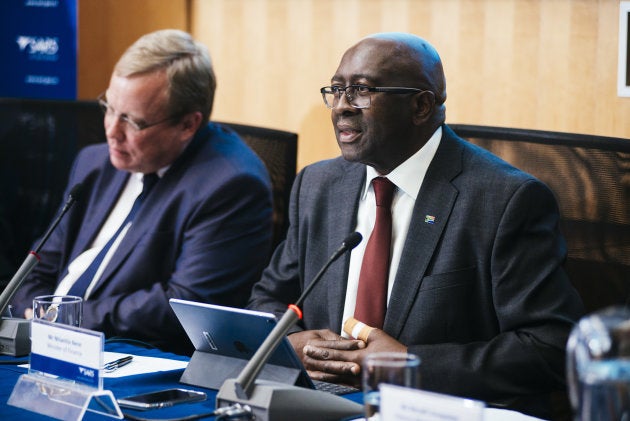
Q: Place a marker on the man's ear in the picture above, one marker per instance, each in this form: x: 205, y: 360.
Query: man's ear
x: 190, y: 124
x: 424, y: 105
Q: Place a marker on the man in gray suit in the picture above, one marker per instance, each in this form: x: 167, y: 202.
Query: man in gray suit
x: 475, y: 286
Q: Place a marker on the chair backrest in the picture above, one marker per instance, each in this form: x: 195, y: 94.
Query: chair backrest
x: 38, y: 141
x: 590, y: 176
x: 278, y: 150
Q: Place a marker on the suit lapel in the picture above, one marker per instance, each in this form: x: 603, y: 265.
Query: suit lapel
x: 142, y: 222
x: 345, y: 196
x: 104, y: 196
x: 145, y: 218
x: 431, y: 212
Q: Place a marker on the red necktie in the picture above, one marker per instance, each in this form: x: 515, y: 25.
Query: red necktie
x: 373, y: 279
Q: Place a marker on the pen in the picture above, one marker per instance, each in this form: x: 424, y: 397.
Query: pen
x: 116, y: 364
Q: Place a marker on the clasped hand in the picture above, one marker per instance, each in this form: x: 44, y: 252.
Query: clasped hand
x: 330, y: 357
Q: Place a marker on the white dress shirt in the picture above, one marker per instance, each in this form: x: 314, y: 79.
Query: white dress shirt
x: 408, y: 178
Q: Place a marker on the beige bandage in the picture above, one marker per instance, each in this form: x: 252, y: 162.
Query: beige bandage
x: 357, y: 329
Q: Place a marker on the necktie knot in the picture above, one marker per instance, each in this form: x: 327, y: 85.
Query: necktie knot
x: 148, y: 181
x: 383, y: 191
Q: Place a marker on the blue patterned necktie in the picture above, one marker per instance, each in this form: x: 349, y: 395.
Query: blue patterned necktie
x: 83, y: 282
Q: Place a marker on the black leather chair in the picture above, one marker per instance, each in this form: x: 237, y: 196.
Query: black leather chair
x: 38, y: 142
x: 590, y: 176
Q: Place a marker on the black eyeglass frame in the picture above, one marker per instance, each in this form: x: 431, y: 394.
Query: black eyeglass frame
x: 363, y: 91
x: 137, y: 127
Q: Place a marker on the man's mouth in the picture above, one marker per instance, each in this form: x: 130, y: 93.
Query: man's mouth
x: 347, y: 134
x: 117, y: 152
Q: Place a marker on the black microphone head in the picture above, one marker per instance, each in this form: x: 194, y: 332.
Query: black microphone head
x: 75, y: 192
x: 352, y: 240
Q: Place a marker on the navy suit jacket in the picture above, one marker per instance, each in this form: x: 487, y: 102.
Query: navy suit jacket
x: 480, y: 294
x: 203, y: 234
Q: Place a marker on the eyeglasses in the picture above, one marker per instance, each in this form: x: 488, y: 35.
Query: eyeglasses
x: 359, y: 96
x: 137, y: 126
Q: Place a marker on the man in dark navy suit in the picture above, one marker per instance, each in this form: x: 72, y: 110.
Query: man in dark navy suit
x: 202, y: 232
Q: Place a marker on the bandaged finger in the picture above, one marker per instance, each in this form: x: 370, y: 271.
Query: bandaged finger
x: 356, y: 329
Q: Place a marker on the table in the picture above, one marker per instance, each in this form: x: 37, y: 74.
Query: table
x: 121, y: 386
x: 124, y: 386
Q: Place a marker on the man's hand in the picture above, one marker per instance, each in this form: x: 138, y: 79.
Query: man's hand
x: 329, y: 357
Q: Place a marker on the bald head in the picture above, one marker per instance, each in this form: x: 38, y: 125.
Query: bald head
x: 415, y: 58
x: 405, y: 107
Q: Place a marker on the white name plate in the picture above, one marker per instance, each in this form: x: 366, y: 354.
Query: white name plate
x: 405, y: 404
x: 67, y: 352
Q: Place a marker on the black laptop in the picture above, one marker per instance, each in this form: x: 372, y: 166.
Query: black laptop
x: 226, y: 338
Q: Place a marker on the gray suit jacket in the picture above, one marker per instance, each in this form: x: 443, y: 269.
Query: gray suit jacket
x: 480, y: 294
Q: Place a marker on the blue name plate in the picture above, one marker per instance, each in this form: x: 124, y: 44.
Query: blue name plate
x: 67, y: 352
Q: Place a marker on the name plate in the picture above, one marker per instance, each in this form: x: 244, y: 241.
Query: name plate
x: 400, y: 403
x: 67, y: 352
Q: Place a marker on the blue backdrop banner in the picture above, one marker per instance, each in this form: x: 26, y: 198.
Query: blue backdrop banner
x: 38, y: 46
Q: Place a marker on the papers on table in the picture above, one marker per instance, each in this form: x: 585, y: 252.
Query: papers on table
x: 139, y: 365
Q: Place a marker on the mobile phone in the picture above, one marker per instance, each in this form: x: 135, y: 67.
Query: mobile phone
x: 161, y: 398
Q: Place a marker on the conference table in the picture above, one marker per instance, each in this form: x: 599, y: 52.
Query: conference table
x: 11, y: 368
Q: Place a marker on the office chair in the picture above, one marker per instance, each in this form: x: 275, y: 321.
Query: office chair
x: 278, y: 150
x: 590, y: 176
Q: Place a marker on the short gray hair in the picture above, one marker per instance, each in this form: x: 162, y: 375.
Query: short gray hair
x: 187, y: 64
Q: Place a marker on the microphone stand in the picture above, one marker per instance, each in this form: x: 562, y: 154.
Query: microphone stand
x: 16, y: 328
x: 277, y: 401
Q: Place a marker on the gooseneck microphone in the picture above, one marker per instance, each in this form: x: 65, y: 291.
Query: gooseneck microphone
x: 350, y: 242
x: 245, y: 381
x: 312, y: 403
x: 32, y: 258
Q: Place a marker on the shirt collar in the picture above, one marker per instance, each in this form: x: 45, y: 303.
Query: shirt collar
x: 409, y: 175
x: 160, y: 173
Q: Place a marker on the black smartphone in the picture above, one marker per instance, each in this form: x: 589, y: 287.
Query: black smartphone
x: 161, y: 398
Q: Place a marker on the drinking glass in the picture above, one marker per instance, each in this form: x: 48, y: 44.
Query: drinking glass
x: 598, y: 365
x: 397, y: 368
x: 66, y: 309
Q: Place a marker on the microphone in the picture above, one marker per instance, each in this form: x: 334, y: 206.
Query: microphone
x: 350, y: 242
x: 267, y: 398
x: 12, y: 327
x: 245, y: 381
x: 73, y: 196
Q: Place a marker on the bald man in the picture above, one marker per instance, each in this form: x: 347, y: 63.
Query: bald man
x: 475, y: 284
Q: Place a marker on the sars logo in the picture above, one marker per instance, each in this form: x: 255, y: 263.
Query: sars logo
x: 87, y: 372
x: 38, y: 46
